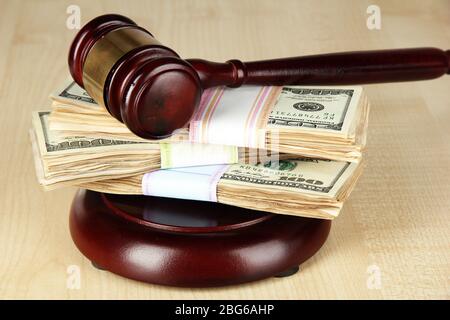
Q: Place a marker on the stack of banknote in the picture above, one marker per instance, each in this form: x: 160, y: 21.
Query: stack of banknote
x: 308, y: 163
x: 328, y: 123
x: 71, y: 160
x: 304, y: 187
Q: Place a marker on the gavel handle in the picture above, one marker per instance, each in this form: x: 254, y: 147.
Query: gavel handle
x: 358, y: 67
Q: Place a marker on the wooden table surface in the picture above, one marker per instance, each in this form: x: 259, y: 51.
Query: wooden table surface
x: 392, y: 239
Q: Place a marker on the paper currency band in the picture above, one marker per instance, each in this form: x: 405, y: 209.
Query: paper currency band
x: 193, y: 183
x: 246, y: 110
x: 106, y: 52
x: 179, y: 154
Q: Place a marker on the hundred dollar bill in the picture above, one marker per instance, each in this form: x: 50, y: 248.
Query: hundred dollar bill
x: 323, y: 178
x: 71, y: 92
x: 304, y: 187
x: 315, y: 108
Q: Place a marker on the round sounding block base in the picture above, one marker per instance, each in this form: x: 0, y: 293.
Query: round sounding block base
x: 190, y: 243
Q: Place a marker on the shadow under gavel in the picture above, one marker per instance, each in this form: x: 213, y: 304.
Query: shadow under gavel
x: 153, y: 91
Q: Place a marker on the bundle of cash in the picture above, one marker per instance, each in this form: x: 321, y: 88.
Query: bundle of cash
x: 302, y: 187
x: 64, y: 161
x: 318, y: 122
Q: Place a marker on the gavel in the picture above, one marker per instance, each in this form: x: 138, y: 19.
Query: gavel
x: 148, y: 87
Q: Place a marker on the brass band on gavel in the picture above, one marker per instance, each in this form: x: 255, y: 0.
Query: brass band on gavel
x: 106, y: 52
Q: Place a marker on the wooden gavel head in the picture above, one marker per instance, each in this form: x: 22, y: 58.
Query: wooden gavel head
x: 153, y: 91
x: 142, y: 83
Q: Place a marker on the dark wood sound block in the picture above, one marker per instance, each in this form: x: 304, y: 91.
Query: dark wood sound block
x: 190, y: 243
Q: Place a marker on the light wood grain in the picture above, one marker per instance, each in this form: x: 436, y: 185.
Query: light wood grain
x: 396, y: 219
